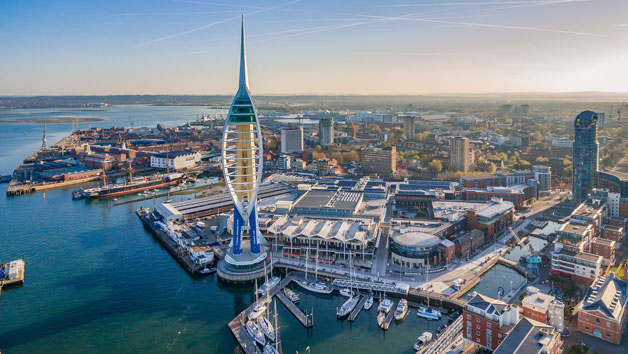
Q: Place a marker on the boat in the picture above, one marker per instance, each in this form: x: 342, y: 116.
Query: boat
x: 402, y: 310
x: 426, y: 311
x: 269, y: 349
x: 423, y: 339
x: 315, y: 286
x: 346, y: 292
x: 267, y: 328
x: 381, y: 317
x: 292, y: 296
x: 115, y: 199
x: 369, y: 303
x: 207, y: 271
x: 385, y: 306
x: 347, y: 307
x: 268, y: 286
x: 257, y: 311
x: 132, y: 186
x: 255, y: 333
x: 429, y: 313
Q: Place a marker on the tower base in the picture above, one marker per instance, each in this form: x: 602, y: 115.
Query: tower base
x: 244, y: 267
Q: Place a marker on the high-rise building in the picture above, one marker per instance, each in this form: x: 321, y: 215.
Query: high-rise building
x: 376, y: 160
x: 585, y: 155
x: 326, y: 131
x: 291, y: 139
x: 461, y: 154
x: 543, y: 175
x: 601, y: 120
x: 408, y: 127
x: 242, y: 161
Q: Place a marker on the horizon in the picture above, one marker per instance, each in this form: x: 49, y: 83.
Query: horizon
x: 421, y: 47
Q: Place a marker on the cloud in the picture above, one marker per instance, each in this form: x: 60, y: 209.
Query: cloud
x: 213, y: 24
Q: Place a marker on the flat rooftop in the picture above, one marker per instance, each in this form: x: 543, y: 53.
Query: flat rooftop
x: 574, y: 228
x: 330, y: 199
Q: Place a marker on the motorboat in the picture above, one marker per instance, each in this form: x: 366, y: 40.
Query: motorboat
x: 381, y: 320
x: 269, y: 349
x: 402, y: 310
x: 207, y: 270
x: 346, y: 292
x: 267, y: 328
x: 315, y: 286
x: 257, y: 311
x: 292, y: 296
x: 268, y: 286
x: 423, y: 339
x: 347, y: 307
x: 255, y: 333
x: 369, y: 303
x: 385, y: 306
x: 429, y: 313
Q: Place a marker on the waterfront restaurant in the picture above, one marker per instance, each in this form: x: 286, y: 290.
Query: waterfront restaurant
x: 333, y: 239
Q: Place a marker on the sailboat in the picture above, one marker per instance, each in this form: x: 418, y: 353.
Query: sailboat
x: 350, y: 304
x: 426, y: 311
x: 314, y: 286
x: 268, y: 348
x: 255, y: 333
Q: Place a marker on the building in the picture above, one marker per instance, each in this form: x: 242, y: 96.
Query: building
x: 531, y: 337
x: 328, y: 202
x: 381, y: 161
x: 497, y: 179
x: 495, y: 217
x: 409, y: 127
x: 487, y: 321
x: 98, y: 161
x: 601, y: 118
x: 517, y: 194
x: 175, y: 160
x: 581, y: 267
x: 614, y: 181
x: 418, y: 195
x: 543, y: 308
x: 461, y: 154
x: 608, y: 197
x: 291, y: 139
x: 466, y: 243
x: 284, y: 162
x: 326, y: 131
x: 605, y: 249
x: 603, y: 310
x: 543, y: 176
x: 585, y: 155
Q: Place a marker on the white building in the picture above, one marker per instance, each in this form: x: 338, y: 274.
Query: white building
x: 175, y: 160
x: 543, y: 175
x: 291, y: 139
x: 283, y: 162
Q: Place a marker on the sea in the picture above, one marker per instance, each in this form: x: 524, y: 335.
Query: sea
x: 97, y: 281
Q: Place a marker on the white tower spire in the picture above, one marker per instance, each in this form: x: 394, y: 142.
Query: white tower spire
x: 244, y: 77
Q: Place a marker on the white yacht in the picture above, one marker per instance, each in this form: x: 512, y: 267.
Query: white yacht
x: 346, y: 292
x: 347, y: 307
x: 267, y: 328
x: 257, y: 311
x: 429, y: 313
x: 255, y: 333
x: 292, y: 296
x: 402, y: 310
x: 385, y: 306
x: 269, y: 349
x: 268, y: 286
x: 315, y: 286
x: 369, y: 303
x: 425, y: 338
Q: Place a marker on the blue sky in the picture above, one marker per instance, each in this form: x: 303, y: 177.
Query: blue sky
x: 307, y: 46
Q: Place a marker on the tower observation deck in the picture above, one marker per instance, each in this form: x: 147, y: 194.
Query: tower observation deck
x: 242, y: 160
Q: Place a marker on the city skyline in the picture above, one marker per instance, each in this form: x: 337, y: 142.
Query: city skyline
x: 373, y: 47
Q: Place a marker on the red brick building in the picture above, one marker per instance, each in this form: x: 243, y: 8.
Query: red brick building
x: 612, y: 232
x: 543, y: 308
x: 487, y: 321
x: 516, y: 194
x: 531, y: 337
x: 605, y: 248
x: 491, y: 220
x: 602, y: 312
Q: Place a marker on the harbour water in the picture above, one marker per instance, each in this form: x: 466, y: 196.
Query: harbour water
x: 497, y: 277
x: 523, y: 250
x: 96, y: 280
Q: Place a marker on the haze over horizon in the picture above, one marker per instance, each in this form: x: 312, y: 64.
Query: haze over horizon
x: 306, y: 47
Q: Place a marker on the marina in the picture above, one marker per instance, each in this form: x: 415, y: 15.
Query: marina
x: 358, y: 308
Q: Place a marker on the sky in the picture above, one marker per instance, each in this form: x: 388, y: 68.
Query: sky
x: 313, y: 46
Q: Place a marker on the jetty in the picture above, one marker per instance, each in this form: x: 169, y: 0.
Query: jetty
x: 12, y: 273
x: 444, y: 339
x: 389, y: 317
x: 358, y: 308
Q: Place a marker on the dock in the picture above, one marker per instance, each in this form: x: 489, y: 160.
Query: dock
x: 305, y: 320
x: 444, y: 339
x: 389, y: 317
x: 358, y: 308
x: 12, y: 273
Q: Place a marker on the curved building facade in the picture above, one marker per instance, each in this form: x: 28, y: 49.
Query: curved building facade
x: 416, y: 250
x: 585, y: 155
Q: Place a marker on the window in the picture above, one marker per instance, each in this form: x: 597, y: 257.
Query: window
x: 499, y: 342
x: 499, y: 335
x: 477, y: 326
x: 608, y: 335
x: 477, y: 320
x: 597, y: 320
x: 477, y: 334
x: 477, y: 340
x: 468, y: 317
x: 586, y: 317
x: 488, y: 325
x: 608, y: 324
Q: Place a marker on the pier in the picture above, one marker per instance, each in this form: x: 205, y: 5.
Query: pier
x: 12, y: 273
x: 358, y: 308
x: 444, y: 339
x: 389, y: 316
x: 305, y: 320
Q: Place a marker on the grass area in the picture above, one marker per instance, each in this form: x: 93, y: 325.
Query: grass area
x: 619, y: 271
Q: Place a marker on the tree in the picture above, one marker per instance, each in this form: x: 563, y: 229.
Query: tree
x: 502, y: 156
x: 435, y: 165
